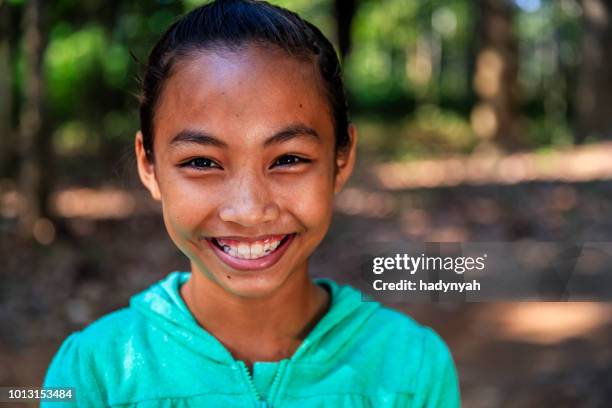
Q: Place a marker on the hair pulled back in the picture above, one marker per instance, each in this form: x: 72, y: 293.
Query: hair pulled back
x: 231, y: 24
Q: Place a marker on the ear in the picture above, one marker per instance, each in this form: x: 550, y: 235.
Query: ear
x: 146, y: 169
x: 345, y: 160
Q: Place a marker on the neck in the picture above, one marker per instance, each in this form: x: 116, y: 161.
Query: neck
x: 268, y: 328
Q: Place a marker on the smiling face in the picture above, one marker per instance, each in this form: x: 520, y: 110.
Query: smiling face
x: 245, y: 166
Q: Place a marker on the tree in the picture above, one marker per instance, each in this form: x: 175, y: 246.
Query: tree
x: 7, y: 105
x: 35, y: 147
x: 594, y: 89
x: 344, y: 11
x: 495, y: 116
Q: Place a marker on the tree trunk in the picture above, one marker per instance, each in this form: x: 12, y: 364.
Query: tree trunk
x: 6, y: 91
x: 344, y: 11
x: 495, y: 116
x: 34, y: 145
x: 594, y: 89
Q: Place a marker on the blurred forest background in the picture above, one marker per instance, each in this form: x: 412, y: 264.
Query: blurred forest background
x: 480, y: 120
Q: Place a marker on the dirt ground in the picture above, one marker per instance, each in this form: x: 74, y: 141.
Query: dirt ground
x: 512, y: 354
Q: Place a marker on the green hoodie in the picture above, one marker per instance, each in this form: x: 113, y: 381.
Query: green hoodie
x: 154, y: 354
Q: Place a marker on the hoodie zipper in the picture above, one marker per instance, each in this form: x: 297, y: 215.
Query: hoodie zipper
x: 261, y: 403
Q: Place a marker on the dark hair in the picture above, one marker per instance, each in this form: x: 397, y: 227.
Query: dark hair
x: 233, y: 24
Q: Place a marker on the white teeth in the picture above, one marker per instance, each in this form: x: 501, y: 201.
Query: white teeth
x: 243, y: 251
x: 252, y: 251
x: 256, y: 251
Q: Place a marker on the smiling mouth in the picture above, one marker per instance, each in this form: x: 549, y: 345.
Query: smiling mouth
x: 251, y: 249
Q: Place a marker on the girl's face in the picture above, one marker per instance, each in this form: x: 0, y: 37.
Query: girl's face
x: 245, y: 165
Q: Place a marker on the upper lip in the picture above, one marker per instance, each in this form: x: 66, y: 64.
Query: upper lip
x: 249, y: 239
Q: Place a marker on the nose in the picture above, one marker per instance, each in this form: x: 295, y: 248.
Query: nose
x: 248, y: 203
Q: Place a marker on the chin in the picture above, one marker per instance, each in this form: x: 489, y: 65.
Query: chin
x: 250, y: 287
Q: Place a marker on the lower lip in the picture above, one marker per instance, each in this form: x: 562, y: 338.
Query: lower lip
x: 252, y: 264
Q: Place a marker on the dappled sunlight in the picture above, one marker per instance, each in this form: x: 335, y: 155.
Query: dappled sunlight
x: 580, y: 164
x: 95, y: 204
x: 415, y: 223
x: 484, y: 121
x: 420, y: 66
x: 595, y: 10
x: 448, y: 234
x: 547, y: 323
x: 356, y: 201
x: 102, y: 203
x: 44, y: 231
x: 489, y: 69
x: 12, y: 204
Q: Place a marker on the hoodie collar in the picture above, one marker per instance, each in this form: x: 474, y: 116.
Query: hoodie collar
x: 164, y: 307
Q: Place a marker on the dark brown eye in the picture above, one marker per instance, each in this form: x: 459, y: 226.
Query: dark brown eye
x: 201, y: 163
x: 289, y: 160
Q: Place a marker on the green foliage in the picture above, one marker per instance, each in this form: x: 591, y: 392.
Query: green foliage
x: 74, y: 137
x: 545, y: 132
x: 410, y: 64
x: 549, y: 39
x: 410, y: 50
x: 318, y: 12
x: 381, y: 32
x: 71, y: 60
x: 431, y: 131
x: 159, y: 21
x: 115, y: 65
x: 119, y: 125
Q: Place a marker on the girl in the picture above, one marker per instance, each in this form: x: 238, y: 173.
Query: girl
x: 245, y: 141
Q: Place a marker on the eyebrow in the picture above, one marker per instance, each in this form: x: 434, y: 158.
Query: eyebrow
x: 292, y: 132
x: 190, y: 136
x: 196, y: 137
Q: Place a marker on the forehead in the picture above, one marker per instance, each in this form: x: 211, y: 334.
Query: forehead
x: 249, y: 92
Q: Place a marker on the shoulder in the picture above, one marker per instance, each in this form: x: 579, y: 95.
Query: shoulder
x: 403, y: 355
x: 110, y: 329
x: 88, y: 350
x: 389, y: 319
x: 102, y: 335
x: 404, y: 337
x: 105, y: 339
x: 394, y: 332
x: 403, y: 332
x: 379, y: 323
x: 419, y: 356
x: 81, y: 359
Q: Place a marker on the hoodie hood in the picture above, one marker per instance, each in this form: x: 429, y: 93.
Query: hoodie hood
x: 164, y: 307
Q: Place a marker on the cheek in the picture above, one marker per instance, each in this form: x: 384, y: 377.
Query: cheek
x: 316, y: 204
x: 185, y: 206
x: 311, y: 199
